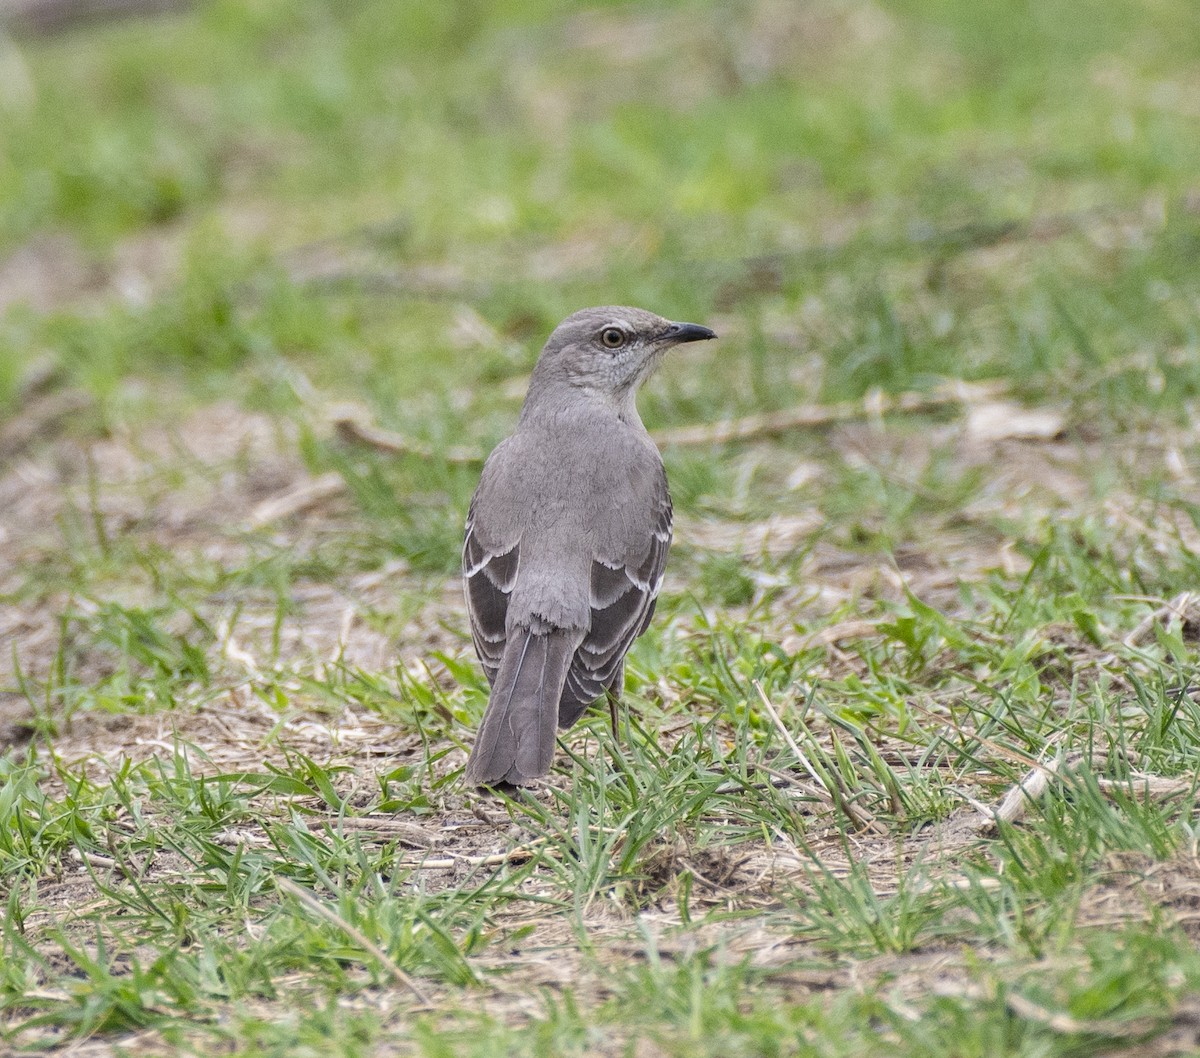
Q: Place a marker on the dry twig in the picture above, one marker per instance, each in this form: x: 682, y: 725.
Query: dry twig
x: 391, y: 829
x: 1066, y: 1025
x: 827, y: 637
x: 519, y: 855
x: 41, y: 417
x: 297, y: 500
x: 873, y: 405
x: 351, y: 422
x: 835, y: 795
x: 55, y: 16
x: 1176, y: 607
x: 1036, y: 781
x: 351, y: 425
x: 354, y: 933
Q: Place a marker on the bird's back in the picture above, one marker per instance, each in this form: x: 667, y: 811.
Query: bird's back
x: 568, y: 492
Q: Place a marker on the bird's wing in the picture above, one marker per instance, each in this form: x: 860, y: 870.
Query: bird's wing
x: 624, y: 590
x: 489, y: 572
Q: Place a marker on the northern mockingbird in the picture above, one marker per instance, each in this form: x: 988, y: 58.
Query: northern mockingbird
x: 566, y: 539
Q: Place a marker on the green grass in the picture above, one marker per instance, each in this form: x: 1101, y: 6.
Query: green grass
x: 231, y: 819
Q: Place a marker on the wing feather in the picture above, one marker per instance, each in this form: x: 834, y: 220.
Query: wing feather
x: 624, y: 593
x: 489, y: 577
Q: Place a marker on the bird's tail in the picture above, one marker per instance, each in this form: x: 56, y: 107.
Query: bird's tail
x: 516, y: 739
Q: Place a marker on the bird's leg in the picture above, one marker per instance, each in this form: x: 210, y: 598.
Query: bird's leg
x: 613, y: 693
x: 613, y: 702
x: 619, y: 763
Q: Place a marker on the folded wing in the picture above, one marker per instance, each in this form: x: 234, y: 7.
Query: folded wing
x: 490, y: 576
x: 624, y: 590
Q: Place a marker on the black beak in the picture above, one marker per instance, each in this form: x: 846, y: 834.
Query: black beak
x: 686, y: 332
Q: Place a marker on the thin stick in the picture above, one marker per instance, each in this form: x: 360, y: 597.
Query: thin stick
x: 351, y: 423
x: 787, y: 737
x: 1018, y: 799
x: 827, y: 637
x: 1036, y: 781
x: 352, y: 426
x: 1066, y: 1025
x: 790, y: 780
x: 873, y: 405
x: 1153, y: 786
x: 1177, y: 607
x: 41, y: 417
x: 355, y: 934
x: 836, y: 796
x: 297, y: 500
x: 519, y: 855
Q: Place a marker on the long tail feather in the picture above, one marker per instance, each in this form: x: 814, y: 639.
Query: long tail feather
x: 516, y: 739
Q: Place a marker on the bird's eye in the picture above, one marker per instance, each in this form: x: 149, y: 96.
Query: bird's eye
x: 612, y: 337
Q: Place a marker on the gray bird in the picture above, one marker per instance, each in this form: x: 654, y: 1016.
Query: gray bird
x: 566, y: 539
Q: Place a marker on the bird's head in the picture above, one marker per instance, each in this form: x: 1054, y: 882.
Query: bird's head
x: 611, y: 350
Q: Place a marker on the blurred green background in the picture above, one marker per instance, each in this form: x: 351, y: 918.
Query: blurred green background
x: 401, y: 199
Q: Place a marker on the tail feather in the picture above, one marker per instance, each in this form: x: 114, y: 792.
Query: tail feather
x: 516, y: 739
